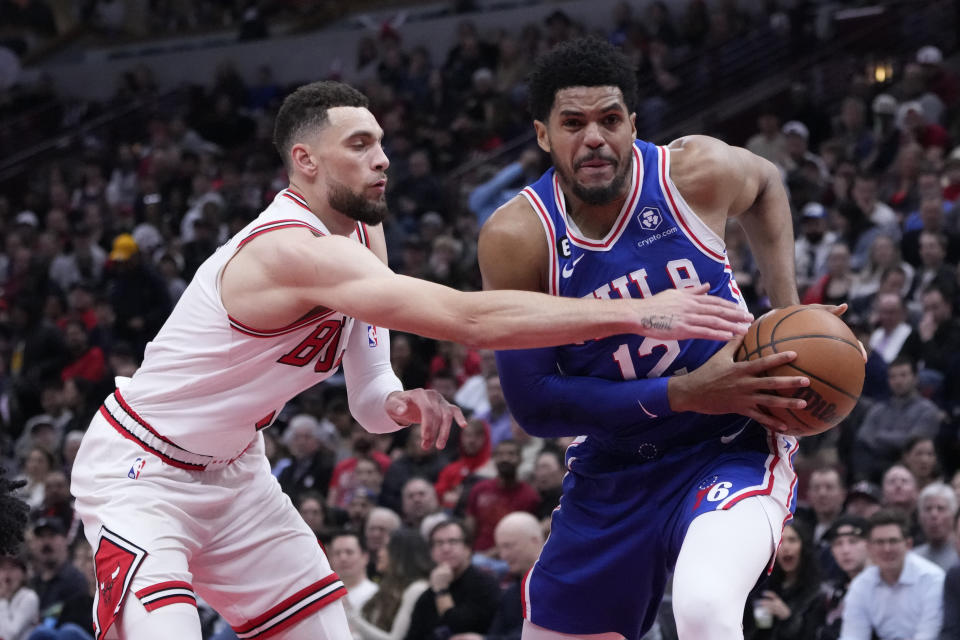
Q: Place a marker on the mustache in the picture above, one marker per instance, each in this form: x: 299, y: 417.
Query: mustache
x: 596, y: 155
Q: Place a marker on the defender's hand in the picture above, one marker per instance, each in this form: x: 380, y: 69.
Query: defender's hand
x: 679, y: 314
x: 427, y: 407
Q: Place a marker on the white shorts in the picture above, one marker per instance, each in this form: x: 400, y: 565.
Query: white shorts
x: 164, y: 533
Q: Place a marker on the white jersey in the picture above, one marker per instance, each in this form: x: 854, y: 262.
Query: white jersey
x: 208, y: 382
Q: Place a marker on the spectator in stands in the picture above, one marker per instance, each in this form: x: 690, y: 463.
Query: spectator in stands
x: 312, y: 463
x: 893, y: 337
x: 791, y: 597
x: 826, y: 494
x: 493, y: 498
x: 349, y: 559
x: 488, y: 196
x: 19, y: 604
x: 769, y: 142
x: 900, y: 493
x: 920, y: 458
x: 890, y: 423
x: 498, y: 415
x: 404, y: 565
x: 57, y: 502
x: 548, y: 472
x: 910, y: 587
x: 55, y: 579
x: 813, y: 245
x: 460, y: 598
x: 937, y: 509
x: 365, y: 468
x: 87, y: 361
x: 419, y: 501
x: 138, y: 295
x: 37, y: 464
x: 75, y: 620
x: 519, y: 541
x: 835, y: 285
x: 939, y: 340
x: 381, y: 523
x: 457, y: 478
x: 413, y: 462
x: 848, y: 545
x: 929, y: 186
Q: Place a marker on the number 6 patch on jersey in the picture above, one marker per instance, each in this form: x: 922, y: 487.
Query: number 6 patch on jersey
x: 116, y: 561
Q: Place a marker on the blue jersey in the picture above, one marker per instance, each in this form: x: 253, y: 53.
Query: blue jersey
x: 656, y: 243
x: 631, y: 493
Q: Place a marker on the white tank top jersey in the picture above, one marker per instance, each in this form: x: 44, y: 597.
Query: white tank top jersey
x: 209, y: 383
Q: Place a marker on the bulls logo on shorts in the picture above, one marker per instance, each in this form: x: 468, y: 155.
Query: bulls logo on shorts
x: 116, y: 561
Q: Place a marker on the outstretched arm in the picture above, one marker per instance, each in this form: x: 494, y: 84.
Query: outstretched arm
x: 283, y: 275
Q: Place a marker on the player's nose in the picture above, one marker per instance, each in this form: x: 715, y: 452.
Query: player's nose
x: 380, y: 160
x: 593, y: 138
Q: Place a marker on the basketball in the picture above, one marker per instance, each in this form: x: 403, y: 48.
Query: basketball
x: 827, y: 353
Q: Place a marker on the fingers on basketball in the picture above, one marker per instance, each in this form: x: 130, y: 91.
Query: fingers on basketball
x: 828, y: 354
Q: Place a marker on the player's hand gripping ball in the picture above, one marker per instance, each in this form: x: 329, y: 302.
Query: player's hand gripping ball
x: 827, y: 353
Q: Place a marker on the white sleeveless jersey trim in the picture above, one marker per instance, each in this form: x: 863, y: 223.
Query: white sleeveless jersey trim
x: 702, y: 236
x: 547, y: 223
x: 633, y: 195
x: 208, y: 382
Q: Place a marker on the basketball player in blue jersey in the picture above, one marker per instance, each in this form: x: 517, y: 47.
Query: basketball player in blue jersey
x: 676, y: 466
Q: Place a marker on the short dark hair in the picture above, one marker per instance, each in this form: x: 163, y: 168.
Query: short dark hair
x: 888, y: 516
x: 582, y: 62
x: 343, y: 533
x: 460, y: 524
x: 900, y: 361
x: 306, y: 108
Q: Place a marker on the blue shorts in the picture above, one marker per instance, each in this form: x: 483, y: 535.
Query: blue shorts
x: 616, y: 535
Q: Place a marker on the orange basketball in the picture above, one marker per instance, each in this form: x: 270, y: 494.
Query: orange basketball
x: 827, y: 353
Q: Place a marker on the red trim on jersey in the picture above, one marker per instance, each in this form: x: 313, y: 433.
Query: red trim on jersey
x: 129, y: 436
x: 363, y: 234
x: 290, y: 194
x: 762, y: 491
x: 290, y: 602
x: 176, y: 595
x: 665, y: 180
x: 625, y: 214
x: 133, y: 414
x: 271, y: 333
x: 160, y: 586
x: 551, y: 231
x: 278, y: 224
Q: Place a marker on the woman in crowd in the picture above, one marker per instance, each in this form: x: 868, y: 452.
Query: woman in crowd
x: 920, y: 458
x: 405, y: 566
x: 789, y: 606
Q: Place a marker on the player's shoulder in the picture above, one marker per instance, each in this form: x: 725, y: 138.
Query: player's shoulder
x: 697, y: 152
x: 514, y: 219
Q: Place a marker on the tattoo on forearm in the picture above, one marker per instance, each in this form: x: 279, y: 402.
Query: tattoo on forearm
x: 657, y: 322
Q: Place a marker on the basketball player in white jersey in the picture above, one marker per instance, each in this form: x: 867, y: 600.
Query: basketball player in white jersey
x: 175, y: 493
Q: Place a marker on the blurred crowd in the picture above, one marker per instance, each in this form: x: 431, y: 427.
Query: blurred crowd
x: 98, y: 243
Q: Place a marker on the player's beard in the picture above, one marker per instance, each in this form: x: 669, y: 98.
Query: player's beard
x: 595, y: 195
x: 355, y: 206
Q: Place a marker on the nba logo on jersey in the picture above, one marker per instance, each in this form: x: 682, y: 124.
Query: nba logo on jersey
x: 650, y: 218
x: 136, y: 468
x: 372, y: 336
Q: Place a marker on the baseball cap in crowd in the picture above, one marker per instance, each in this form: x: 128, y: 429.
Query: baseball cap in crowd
x: 797, y: 128
x: 929, y: 55
x: 846, y: 525
x: 885, y: 104
x: 28, y: 218
x: 813, y: 210
x: 124, y: 246
x: 52, y: 525
x: 40, y: 420
x: 867, y: 490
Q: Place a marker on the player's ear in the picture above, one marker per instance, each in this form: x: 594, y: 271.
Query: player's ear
x: 633, y: 123
x: 542, y: 139
x: 302, y: 160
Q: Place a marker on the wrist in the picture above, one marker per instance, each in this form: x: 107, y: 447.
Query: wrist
x: 678, y: 393
x: 441, y: 592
